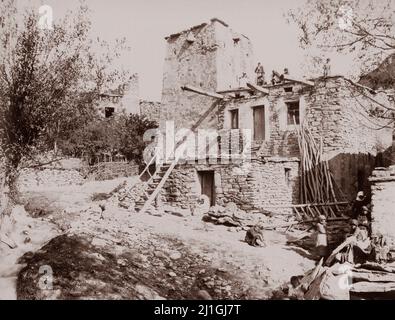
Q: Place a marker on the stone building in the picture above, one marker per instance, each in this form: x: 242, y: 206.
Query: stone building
x: 211, y: 57
x: 125, y: 99
x: 383, y: 202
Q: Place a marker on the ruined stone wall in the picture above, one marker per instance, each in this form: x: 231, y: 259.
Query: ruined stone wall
x: 58, y: 173
x: 110, y: 170
x: 383, y: 203
x: 57, y: 176
x: 47, y: 178
x: 259, y: 184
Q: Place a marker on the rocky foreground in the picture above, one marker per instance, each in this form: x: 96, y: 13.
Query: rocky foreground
x: 120, y: 254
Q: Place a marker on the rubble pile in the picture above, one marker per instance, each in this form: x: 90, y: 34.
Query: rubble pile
x: 127, y: 196
x: 346, y: 281
x: 359, y: 268
x: 232, y: 216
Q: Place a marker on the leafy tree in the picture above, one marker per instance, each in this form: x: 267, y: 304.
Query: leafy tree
x: 49, y: 81
x: 132, y: 142
x: 119, y: 134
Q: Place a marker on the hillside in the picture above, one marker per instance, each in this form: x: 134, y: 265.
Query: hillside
x: 383, y: 77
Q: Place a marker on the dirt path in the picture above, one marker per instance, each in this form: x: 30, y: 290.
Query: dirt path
x: 184, y: 255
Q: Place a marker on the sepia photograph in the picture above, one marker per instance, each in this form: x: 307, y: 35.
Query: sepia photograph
x: 197, y: 154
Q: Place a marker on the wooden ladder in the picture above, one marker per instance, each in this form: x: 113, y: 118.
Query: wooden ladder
x: 163, y: 171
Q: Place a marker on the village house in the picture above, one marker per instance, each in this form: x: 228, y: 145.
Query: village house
x: 125, y: 99
x: 202, y: 90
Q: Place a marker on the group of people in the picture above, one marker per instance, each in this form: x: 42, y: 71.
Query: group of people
x: 360, y: 230
x: 279, y: 78
x: 275, y: 79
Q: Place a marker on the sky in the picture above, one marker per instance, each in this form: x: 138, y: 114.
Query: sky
x: 145, y: 23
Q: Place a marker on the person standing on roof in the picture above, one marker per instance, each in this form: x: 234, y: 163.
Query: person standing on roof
x: 327, y: 68
x: 260, y: 74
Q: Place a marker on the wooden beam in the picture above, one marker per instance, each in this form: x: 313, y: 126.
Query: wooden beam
x: 366, y: 287
x: 309, y: 83
x: 285, y: 225
x: 257, y: 88
x: 203, y: 92
x: 235, y: 90
x: 370, y: 276
x: 307, y: 205
x: 348, y: 241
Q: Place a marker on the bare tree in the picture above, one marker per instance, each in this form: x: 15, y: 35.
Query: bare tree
x: 49, y: 80
x: 362, y: 28
x: 365, y: 26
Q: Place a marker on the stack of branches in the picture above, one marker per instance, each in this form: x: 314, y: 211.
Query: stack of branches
x: 317, y: 182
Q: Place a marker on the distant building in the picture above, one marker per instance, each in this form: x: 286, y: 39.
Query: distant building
x: 125, y: 99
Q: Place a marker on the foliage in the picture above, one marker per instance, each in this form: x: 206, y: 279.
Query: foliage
x: 363, y: 28
x: 49, y: 81
x: 121, y: 134
x: 132, y: 143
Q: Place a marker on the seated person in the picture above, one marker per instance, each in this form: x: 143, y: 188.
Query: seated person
x: 254, y: 236
x: 360, y: 201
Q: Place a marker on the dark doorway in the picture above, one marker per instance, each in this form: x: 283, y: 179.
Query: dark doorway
x: 108, y: 112
x: 234, y: 116
x: 293, y: 111
x: 361, y: 180
x: 259, y: 123
x: 206, y: 179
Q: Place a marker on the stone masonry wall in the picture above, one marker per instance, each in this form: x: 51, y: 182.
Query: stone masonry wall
x: 383, y: 202
x: 32, y: 179
x: 353, y: 140
x: 340, y: 113
x: 275, y: 183
x: 52, y: 177
x: 111, y: 170
x: 193, y: 64
x: 150, y: 109
x: 210, y: 57
x: 259, y: 184
x: 336, y: 112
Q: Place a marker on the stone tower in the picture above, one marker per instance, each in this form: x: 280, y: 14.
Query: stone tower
x: 209, y: 56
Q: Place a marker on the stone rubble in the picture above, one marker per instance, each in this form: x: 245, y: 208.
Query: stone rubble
x: 232, y: 216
